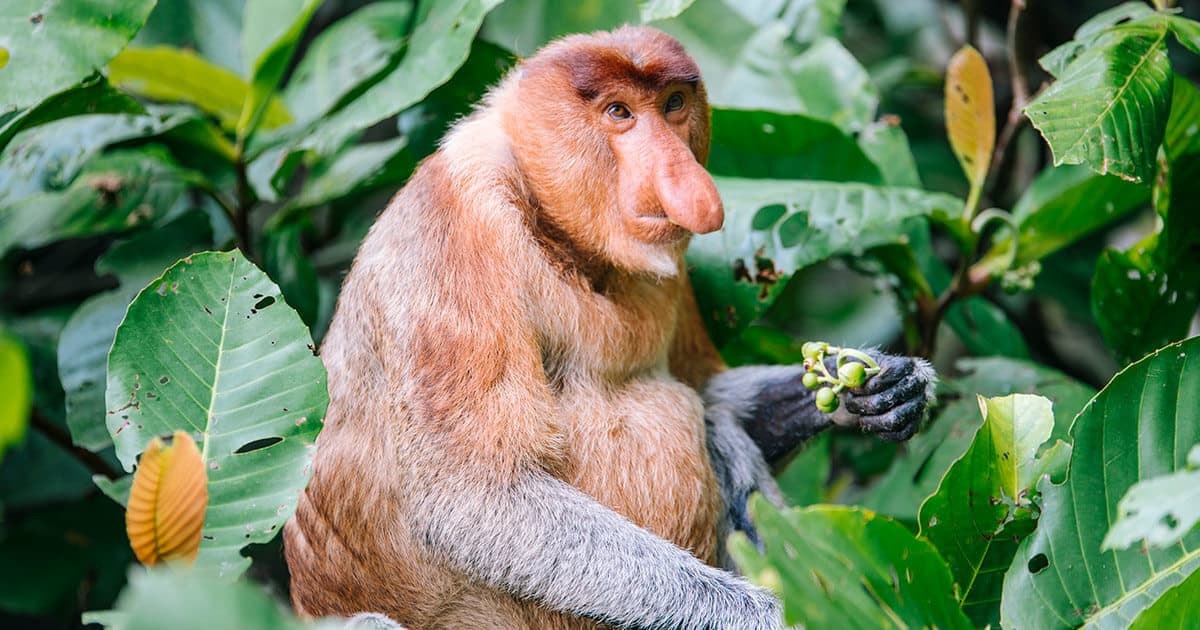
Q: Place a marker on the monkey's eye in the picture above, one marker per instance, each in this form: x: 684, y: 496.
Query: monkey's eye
x: 674, y: 103
x: 617, y: 111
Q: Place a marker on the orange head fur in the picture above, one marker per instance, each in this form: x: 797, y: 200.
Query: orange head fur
x: 611, y: 131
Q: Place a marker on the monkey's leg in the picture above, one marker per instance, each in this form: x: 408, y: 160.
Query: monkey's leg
x: 542, y: 539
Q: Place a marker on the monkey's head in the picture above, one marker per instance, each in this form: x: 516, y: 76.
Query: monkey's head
x: 611, y: 131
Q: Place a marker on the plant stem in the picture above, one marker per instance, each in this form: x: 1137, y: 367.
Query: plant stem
x: 971, y: 11
x: 62, y: 439
x: 1019, y: 82
x: 245, y: 204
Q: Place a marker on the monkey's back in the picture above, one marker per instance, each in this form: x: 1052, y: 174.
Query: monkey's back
x: 632, y: 438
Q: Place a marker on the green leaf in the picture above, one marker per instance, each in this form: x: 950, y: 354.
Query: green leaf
x: 981, y: 509
x: 288, y: 264
x: 176, y: 75
x: 652, y: 10
x: 212, y: 348
x: 184, y: 600
x: 118, y: 191
x: 48, y: 157
x: 807, y: 19
x: 523, y: 26
x: 1174, y: 609
x: 1159, y: 511
x: 51, y: 46
x: 887, y: 146
x: 440, y: 41
x: 357, y: 168
x: 785, y: 146
x: 271, y: 30
x: 916, y: 474
x: 95, y: 96
x: 774, y: 227
x: 1147, y: 296
x: 1138, y: 427
x: 760, y: 67
x: 16, y: 391
x: 839, y: 567
x: 804, y: 479
x: 985, y: 329
x: 84, y: 343
x: 212, y: 28
x: 1109, y: 106
x: 425, y: 123
x: 1065, y: 203
x: 345, y: 56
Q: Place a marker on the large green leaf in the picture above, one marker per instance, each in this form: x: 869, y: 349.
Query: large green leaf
x: 981, y: 509
x: 916, y: 474
x: 887, y: 146
x: 846, y: 568
x: 51, y: 46
x: 786, y: 146
x: 171, y: 74
x: 48, y: 157
x: 345, y: 56
x: 212, y: 348
x: 1159, y: 511
x: 774, y: 227
x: 16, y: 391
x: 118, y: 191
x: 441, y: 39
x: 1109, y: 106
x: 84, y: 343
x: 1139, y: 426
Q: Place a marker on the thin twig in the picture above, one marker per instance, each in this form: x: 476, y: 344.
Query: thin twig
x: 1016, y: 119
x: 56, y: 434
x: 971, y: 10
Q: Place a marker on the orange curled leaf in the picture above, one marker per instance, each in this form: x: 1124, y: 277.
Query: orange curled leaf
x: 167, y: 501
x: 970, y: 119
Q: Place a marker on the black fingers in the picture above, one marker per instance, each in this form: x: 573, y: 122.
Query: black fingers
x: 910, y: 388
x: 894, y: 369
x: 898, y: 424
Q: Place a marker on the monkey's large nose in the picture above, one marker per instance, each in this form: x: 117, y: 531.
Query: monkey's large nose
x: 686, y: 191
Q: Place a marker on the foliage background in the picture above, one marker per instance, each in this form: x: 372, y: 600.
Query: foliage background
x: 281, y: 127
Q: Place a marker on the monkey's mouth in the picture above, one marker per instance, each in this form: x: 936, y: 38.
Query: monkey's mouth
x: 659, y: 229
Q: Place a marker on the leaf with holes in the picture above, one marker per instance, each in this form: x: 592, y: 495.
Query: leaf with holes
x: 844, y: 567
x: 167, y: 501
x: 774, y: 227
x: 211, y: 348
x: 1109, y: 107
x: 982, y: 509
x: 1160, y: 510
x: 970, y: 120
x: 1140, y: 426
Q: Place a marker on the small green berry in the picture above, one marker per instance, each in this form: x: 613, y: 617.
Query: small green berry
x: 852, y: 373
x: 826, y: 400
x: 812, y: 350
x: 810, y: 380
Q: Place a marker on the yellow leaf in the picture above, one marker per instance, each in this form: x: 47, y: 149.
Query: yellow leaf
x: 16, y: 391
x: 167, y: 501
x: 970, y: 118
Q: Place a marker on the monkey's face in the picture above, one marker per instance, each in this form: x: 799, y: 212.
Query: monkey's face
x: 612, y: 134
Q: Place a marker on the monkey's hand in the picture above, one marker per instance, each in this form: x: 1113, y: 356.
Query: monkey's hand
x: 779, y: 413
x: 893, y: 403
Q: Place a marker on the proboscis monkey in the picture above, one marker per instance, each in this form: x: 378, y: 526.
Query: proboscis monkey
x: 528, y: 425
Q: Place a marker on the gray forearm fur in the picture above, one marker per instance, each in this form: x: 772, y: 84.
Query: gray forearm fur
x: 545, y: 540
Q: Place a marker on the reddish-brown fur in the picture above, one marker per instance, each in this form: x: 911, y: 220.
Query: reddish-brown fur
x: 504, y: 316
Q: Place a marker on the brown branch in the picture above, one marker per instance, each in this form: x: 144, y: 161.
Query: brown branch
x: 62, y: 439
x: 971, y: 11
x: 1019, y: 83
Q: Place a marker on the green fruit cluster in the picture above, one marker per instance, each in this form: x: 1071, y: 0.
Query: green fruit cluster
x: 854, y: 367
